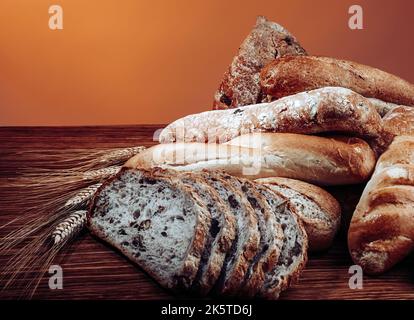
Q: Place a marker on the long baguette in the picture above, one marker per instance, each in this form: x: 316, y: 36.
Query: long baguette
x: 329, y: 109
x: 382, y: 228
x: 290, y: 75
x: 320, y: 160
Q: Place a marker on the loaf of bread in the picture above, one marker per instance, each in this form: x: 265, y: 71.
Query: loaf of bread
x: 329, y: 109
x: 318, y: 210
x: 240, y: 84
x: 202, y: 231
x: 399, y: 121
x: 289, y: 75
x: 320, y: 160
x: 381, y: 232
x: 155, y: 221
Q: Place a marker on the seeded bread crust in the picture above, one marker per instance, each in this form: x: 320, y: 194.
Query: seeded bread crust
x: 319, y: 211
x: 240, y: 84
x: 221, y: 236
x: 271, y: 241
x: 247, y: 242
x: 188, y: 270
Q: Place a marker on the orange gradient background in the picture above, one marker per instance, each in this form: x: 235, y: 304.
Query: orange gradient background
x: 125, y: 61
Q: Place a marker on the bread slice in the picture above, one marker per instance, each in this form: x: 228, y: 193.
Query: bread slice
x: 155, y: 221
x: 266, y: 42
x: 271, y: 238
x: 319, y: 211
x: 247, y: 242
x: 293, y: 257
x: 221, y: 235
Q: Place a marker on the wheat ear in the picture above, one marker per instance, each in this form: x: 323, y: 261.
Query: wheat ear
x: 101, y: 174
x: 120, y: 154
x: 69, y: 227
x: 83, y: 196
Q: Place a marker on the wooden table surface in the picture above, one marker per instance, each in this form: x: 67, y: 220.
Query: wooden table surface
x: 92, y: 270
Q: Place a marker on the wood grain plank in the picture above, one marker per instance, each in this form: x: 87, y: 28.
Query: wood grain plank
x: 93, y: 270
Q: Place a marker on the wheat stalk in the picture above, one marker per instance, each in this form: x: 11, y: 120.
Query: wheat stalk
x: 83, y: 196
x: 69, y: 227
x: 120, y: 154
x: 101, y: 174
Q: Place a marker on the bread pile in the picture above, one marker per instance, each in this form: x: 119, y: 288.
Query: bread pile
x: 232, y: 211
x: 211, y: 232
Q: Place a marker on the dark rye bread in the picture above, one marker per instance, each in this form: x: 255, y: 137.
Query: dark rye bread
x: 247, y: 242
x: 154, y: 220
x: 271, y: 238
x: 293, y: 257
x: 266, y: 42
x: 221, y: 235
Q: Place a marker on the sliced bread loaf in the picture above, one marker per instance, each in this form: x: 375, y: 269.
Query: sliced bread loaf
x: 247, y: 242
x: 271, y: 238
x: 155, y: 221
x: 221, y: 235
x: 293, y: 257
x: 319, y: 211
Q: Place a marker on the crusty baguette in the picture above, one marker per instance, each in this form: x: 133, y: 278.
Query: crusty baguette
x: 382, y: 228
x: 399, y: 121
x: 319, y: 211
x: 320, y: 160
x: 240, y: 84
x: 322, y: 110
x: 290, y: 75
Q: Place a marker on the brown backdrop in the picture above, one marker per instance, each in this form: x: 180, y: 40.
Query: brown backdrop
x: 119, y: 62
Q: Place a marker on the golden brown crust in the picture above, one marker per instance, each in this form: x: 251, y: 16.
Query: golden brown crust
x: 240, y: 84
x: 382, y: 228
x: 290, y: 75
x: 399, y: 121
x: 319, y: 160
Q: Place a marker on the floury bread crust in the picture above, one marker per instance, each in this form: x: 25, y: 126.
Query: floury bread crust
x: 382, y: 228
x: 319, y: 160
x: 240, y: 84
x: 329, y: 109
x: 155, y: 221
x: 318, y: 210
x: 290, y: 75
